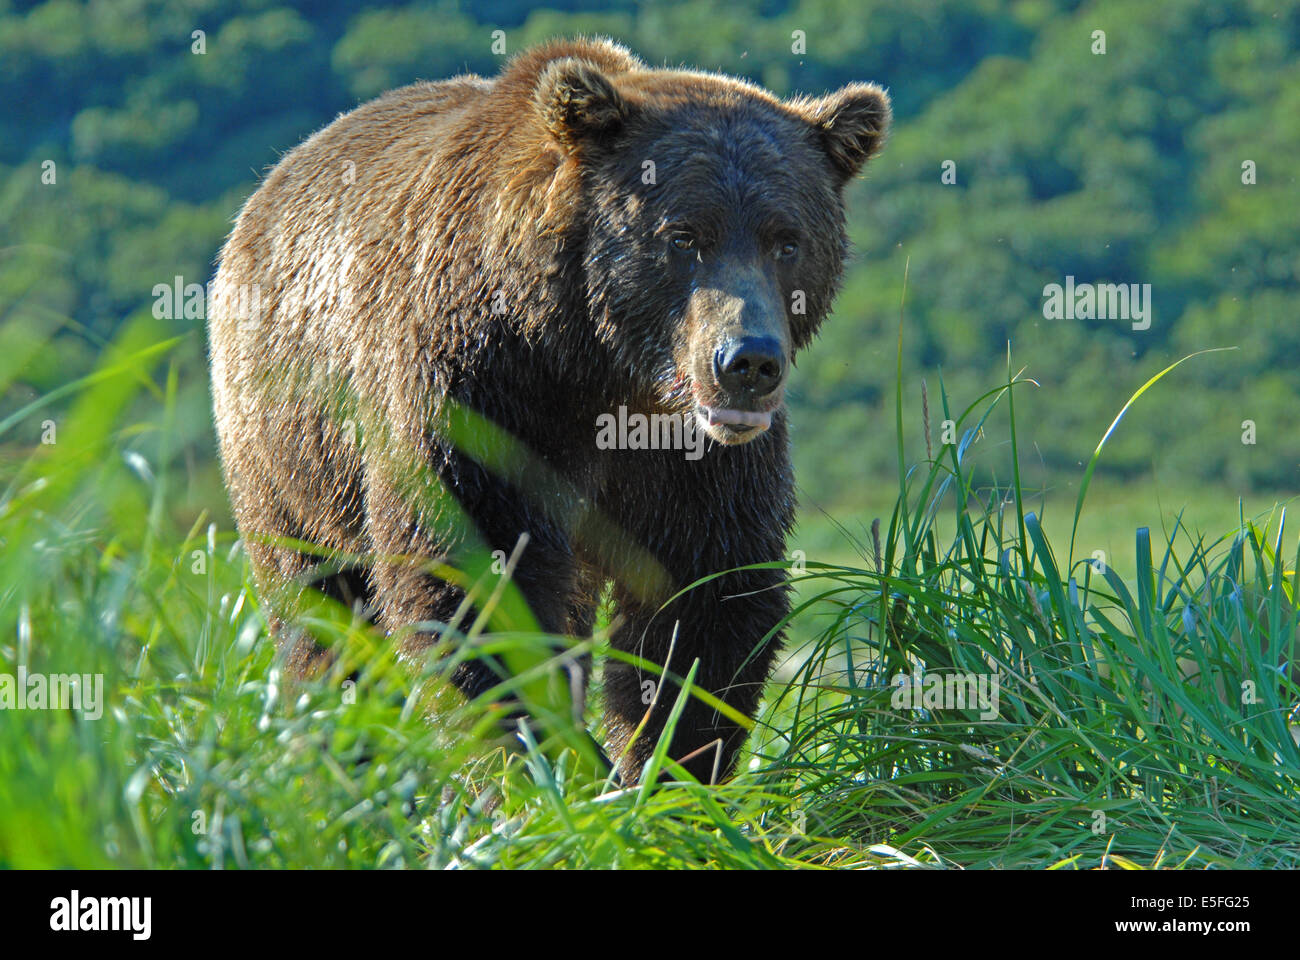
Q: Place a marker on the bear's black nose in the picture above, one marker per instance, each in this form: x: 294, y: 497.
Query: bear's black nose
x: 753, y: 365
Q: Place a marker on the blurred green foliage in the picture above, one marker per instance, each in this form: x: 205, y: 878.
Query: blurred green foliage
x: 1125, y: 167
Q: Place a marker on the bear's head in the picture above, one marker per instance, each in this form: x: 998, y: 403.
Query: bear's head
x: 712, y: 224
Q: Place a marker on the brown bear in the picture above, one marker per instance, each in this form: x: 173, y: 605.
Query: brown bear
x: 580, y: 241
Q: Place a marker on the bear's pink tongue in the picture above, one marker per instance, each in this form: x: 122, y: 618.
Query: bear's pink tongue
x: 739, y: 418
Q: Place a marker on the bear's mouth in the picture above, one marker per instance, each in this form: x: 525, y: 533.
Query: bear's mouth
x: 735, y: 419
x: 731, y: 420
x: 731, y: 426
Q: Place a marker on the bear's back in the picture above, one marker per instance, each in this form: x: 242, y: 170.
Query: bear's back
x: 361, y: 162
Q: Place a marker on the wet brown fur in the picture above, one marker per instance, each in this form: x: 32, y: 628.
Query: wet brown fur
x: 376, y: 302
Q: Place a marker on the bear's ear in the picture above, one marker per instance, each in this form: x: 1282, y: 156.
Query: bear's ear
x: 578, y: 102
x: 852, y: 123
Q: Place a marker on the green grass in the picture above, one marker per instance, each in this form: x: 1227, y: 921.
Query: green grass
x: 1146, y: 712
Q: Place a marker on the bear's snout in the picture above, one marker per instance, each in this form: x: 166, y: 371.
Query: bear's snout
x: 740, y: 351
x: 749, y: 366
x: 742, y: 388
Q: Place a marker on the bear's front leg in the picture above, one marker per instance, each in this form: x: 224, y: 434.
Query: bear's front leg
x: 474, y: 515
x: 728, y: 624
x: 723, y: 624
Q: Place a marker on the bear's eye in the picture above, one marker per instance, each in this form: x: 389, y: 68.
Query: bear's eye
x: 787, y: 249
x: 682, y: 241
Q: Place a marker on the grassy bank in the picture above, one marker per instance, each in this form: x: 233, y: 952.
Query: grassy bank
x: 1144, y: 711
